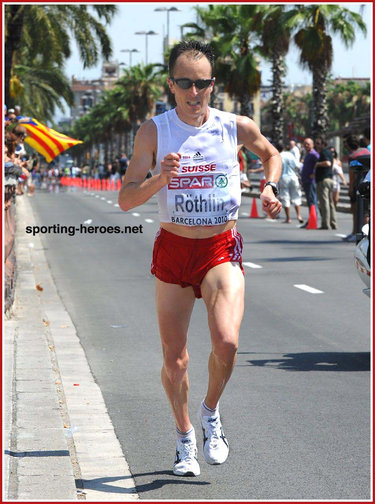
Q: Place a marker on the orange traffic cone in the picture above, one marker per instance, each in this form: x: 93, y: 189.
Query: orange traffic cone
x: 254, y: 210
x: 313, y: 221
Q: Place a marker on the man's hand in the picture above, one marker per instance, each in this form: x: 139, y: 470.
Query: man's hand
x: 271, y: 205
x: 169, y: 167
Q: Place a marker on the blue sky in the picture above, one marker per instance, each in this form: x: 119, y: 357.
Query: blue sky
x: 132, y: 17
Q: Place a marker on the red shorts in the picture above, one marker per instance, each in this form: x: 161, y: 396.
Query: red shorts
x: 186, y: 261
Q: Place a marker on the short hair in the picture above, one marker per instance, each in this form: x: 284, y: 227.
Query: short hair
x: 351, y: 141
x: 279, y: 146
x: 195, y: 48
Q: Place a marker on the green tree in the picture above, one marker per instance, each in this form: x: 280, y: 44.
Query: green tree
x: 47, y: 31
x: 234, y: 33
x: 138, y: 89
x: 276, y: 38
x: 316, y: 23
x: 39, y: 88
x: 121, y: 110
x: 296, y: 115
x: 347, y: 102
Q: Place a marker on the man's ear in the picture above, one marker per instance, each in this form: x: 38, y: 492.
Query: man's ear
x: 171, y: 85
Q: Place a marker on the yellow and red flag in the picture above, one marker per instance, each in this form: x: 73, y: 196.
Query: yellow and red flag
x: 48, y: 142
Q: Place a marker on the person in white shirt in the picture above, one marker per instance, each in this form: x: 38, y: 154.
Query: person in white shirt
x: 294, y: 149
x: 290, y: 188
x: 197, y: 252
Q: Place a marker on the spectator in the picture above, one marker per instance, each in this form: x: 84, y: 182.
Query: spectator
x: 124, y: 161
x: 290, y: 191
x: 307, y: 173
x: 242, y: 159
x: 324, y: 184
x: 294, y: 149
x: 338, y: 176
x: 359, y: 164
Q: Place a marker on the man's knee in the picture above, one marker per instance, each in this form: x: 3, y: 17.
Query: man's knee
x: 225, y: 349
x: 175, y: 367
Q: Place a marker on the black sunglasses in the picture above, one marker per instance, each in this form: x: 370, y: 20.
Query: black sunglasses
x: 187, y: 83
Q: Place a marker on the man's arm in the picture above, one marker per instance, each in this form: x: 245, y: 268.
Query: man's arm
x: 135, y: 189
x: 249, y: 135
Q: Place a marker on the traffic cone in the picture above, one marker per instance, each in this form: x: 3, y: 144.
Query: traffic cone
x: 254, y: 210
x: 118, y: 185
x: 313, y: 221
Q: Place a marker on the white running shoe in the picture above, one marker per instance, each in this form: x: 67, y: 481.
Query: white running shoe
x: 186, y: 463
x: 215, y: 444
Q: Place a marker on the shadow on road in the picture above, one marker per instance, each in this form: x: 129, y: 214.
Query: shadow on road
x: 316, y: 361
x: 105, y: 484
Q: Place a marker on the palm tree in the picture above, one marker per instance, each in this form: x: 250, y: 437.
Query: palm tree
x: 121, y: 109
x: 233, y: 31
x: 137, y: 91
x: 276, y: 39
x: 47, y: 30
x: 39, y: 88
x: 347, y: 102
x: 316, y: 23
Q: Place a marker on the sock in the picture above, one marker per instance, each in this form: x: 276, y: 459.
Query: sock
x: 190, y: 434
x: 206, y: 411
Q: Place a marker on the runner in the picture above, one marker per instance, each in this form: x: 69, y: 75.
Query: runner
x: 197, y: 252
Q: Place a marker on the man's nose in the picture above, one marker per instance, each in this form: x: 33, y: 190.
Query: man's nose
x: 194, y: 89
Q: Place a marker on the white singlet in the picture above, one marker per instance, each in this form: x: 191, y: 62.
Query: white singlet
x: 207, y: 190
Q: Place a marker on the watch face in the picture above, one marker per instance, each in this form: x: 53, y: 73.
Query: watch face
x: 274, y: 187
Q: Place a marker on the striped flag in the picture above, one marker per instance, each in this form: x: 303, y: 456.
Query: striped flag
x: 48, y: 142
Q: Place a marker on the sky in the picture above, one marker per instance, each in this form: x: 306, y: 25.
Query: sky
x: 132, y: 17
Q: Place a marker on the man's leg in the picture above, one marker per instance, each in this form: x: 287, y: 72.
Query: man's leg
x: 223, y: 291
x: 174, y: 306
x: 331, y: 204
x: 323, y: 198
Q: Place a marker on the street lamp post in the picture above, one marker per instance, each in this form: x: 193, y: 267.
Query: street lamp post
x: 130, y: 51
x: 167, y: 10
x: 150, y: 32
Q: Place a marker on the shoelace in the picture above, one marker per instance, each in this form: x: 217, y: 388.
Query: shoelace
x: 186, y: 449
x: 213, y: 427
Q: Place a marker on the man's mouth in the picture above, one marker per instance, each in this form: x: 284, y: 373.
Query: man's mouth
x: 193, y: 103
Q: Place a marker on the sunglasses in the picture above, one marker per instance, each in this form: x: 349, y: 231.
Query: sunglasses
x: 187, y: 83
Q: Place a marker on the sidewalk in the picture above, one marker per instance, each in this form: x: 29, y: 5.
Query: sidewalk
x: 58, y: 439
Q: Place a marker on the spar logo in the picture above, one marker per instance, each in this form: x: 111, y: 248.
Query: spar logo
x: 192, y: 182
x: 221, y: 181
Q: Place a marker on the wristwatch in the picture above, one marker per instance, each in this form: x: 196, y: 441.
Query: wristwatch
x: 274, y: 187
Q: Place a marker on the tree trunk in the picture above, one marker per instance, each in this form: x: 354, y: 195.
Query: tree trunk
x: 247, y: 108
x: 319, y: 102
x: 12, y: 44
x: 278, y: 67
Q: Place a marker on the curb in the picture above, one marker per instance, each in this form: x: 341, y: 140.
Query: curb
x: 59, y: 440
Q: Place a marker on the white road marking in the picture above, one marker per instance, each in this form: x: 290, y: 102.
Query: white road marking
x: 109, y: 202
x: 252, y: 265
x: 135, y: 214
x: 149, y: 221
x: 116, y: 205
x: 102, y: 198
x: 340, y: 235
x: 245, y: 214
x: 309, y: 289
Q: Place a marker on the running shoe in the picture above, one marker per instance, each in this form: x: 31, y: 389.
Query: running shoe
x: 186, y: 462
x: 215, y: 444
